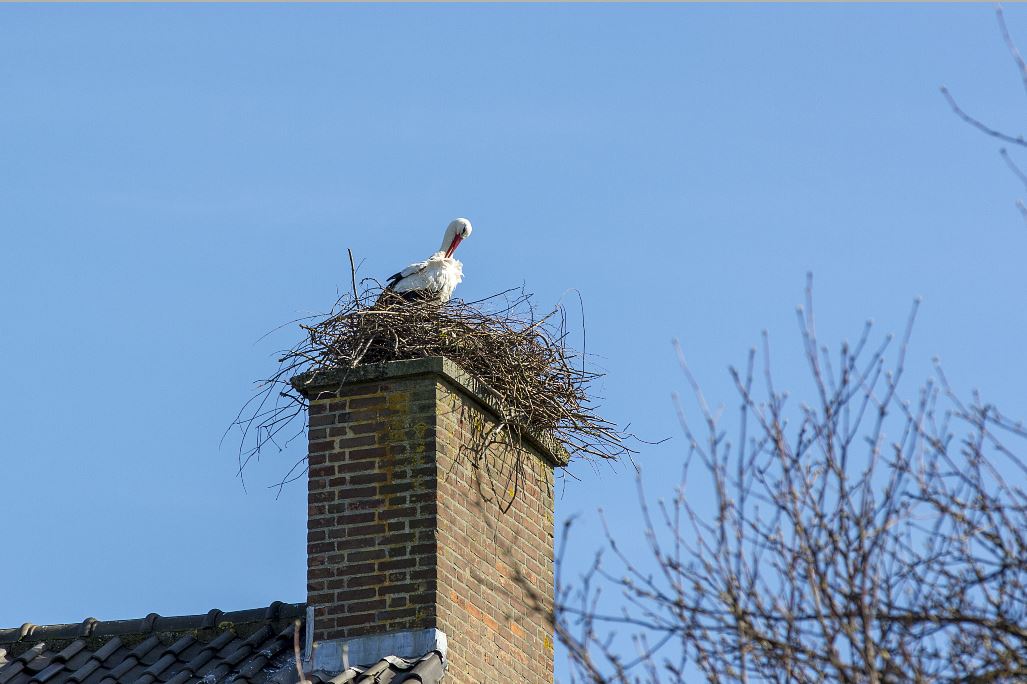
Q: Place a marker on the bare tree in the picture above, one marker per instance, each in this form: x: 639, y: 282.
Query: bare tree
x: 1015, y: 139
x: 864, y: 536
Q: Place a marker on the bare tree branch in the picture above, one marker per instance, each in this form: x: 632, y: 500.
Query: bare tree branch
x: 978, y: 124
x: 868, y: 536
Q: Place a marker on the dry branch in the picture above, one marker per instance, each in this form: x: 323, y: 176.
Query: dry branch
x: 865, y: 536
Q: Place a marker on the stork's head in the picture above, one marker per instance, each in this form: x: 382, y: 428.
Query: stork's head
x: 457, y: 231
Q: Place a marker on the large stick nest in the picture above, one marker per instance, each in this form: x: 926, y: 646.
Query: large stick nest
x: 541, y: 384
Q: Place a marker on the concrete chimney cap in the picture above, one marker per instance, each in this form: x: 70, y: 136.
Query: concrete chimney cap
x: 318, y: 384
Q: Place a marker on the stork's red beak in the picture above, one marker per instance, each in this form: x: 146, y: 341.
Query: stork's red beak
x: 452, y: 246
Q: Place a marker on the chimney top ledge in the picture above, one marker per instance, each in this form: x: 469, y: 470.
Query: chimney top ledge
x: 314, y: 383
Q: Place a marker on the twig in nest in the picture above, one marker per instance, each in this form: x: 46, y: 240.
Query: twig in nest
x: 541, y: 385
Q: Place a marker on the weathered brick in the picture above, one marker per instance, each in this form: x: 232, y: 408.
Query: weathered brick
x: 361, y: 606
x: 349, y: 543
x: 367, y: 402
x: 399, y: 614
x: 353, y: 518
x: 357, y: 594
x: 321, y: 420
x: 354, y: 466
x: 397, y: 564
x: 394, y: 513
x: 366, y: 581
x: 322, y: 470
x: 367, y: 530
x: 372, y: 453
x: 319, y: 496
x: 368, y: 554
x: 368, y: 478
x: 356, y: 442
x: 393, y: 488
x: 400, y: 536
x: 321, y: 599
x: 355, y: 493
x: 357, y: 619
x: 426, y: 573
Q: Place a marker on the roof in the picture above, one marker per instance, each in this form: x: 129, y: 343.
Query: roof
x: 254, y: 646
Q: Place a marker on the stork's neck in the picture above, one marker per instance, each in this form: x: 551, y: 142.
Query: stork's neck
x: 447, y: 240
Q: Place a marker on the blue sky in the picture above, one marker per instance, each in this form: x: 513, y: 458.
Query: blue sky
x: 175, y: 181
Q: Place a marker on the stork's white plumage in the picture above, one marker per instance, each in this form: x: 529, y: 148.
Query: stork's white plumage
x: 437, y: 276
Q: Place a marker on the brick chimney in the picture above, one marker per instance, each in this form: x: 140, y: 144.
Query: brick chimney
x: 420, y: 530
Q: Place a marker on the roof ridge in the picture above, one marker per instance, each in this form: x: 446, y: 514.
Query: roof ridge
x: 152, y: 623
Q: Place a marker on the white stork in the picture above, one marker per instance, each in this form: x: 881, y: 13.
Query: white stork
x: 438, y: 275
